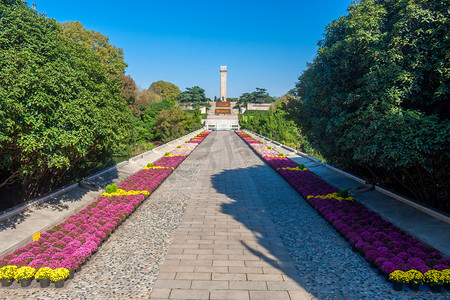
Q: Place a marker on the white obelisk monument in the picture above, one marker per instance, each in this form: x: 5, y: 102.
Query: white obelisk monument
x: 223, y: 83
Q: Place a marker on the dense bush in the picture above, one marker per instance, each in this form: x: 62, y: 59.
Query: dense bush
x: 275, y: 125
x: 173, y: 123
x: 375, y: 100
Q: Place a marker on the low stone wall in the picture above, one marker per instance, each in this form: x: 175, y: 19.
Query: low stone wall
x: 258, y: 106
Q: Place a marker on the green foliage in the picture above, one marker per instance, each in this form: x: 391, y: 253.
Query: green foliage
x: 143, y: 126
x: 197, y: 114
x: 375, y: 99
x: 276, y: 126
x: 173, y: 123
x: 167, y: 90
x: 342, y: 193
x: 110, y: 56
x: 258, y: 96
x: 111, y: 188
x: 195, y: 96
x: 58, y: 104
x: 150, y: 165
x: 255, y: 112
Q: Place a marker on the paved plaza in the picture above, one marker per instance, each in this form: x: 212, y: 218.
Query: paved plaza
x: 223, y: 225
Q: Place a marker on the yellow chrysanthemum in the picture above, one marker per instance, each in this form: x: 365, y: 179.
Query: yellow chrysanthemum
x: 59, y: 274
x: 8, y: 272
x: 293, y: 169
x: 155, y: 167
x: 121, y: 192
x: 331, y: 196
x: 24, y: 273
x: 399, y: 276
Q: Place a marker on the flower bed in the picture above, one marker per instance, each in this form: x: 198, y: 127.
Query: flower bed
x: 396, y: 254
x: 62, y: 250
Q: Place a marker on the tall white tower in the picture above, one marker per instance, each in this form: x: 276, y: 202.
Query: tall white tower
x: 223, y: 83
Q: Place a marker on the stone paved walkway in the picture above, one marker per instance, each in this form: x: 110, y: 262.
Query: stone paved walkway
x: 223, y: 251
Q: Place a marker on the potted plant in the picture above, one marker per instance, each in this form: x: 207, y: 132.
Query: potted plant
x: 7, y: 275
x: 71, y: 265
x: 446, y: 274
x: 43, y: 276
x: 398, y: 278
x: 24, y: 275
x: 58, y: 276
x: 415, y: 279
x: 434, y: 279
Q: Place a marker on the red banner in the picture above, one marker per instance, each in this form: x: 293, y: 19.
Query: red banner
x: 222, y: 104
x: 223, y: 111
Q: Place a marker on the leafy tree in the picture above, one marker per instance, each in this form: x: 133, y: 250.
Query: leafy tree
x: 375, y: 99
x: 166, y: 90
x: 110, y: 56
x: 128, y: 89
x: 258, y: 96
x: 195, y: 96
x: 58, y: 104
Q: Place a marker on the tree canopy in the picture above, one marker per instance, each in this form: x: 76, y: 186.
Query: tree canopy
x: 110, y: 56
x: 57, y: 102
x: 166, y: 90
x: 376, y: 97
x: 195, y: 96
x: 258, y: 96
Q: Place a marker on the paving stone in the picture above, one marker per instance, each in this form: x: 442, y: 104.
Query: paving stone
x: 158, y: 293
x: 193, y: 276
x: 209, y: 285
x: 269, y: 295
x: 189, y: 294
x: 229, y: 295
x: 211, y: 269
x: 230, y: 276
x: 246, y: 270
x: 264, y: 277
x: 173, y: 284
x: 248, y: 285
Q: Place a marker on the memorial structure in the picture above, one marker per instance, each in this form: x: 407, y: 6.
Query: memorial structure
x: 222, y: 115
x: 223, y: 83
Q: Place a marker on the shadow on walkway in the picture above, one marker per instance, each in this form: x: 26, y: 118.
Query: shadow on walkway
x: 249, y: 209
x: 325, y: 264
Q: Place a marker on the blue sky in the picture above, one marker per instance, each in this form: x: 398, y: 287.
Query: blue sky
x: 264, y: 44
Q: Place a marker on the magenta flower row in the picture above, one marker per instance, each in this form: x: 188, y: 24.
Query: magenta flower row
x: 381, y: 243
x: 72, y: 242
